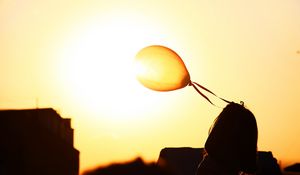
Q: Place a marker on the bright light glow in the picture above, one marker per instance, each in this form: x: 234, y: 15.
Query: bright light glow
x: 139, y: 68
x: 98, y: 69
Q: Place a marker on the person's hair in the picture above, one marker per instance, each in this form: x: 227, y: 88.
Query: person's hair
x: 233, y: 138
x: 134, y: 167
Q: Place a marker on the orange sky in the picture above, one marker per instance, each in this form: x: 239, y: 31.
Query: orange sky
x: 76, y: 57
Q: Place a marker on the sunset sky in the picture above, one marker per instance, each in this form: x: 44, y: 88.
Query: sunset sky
x: 77, y: 56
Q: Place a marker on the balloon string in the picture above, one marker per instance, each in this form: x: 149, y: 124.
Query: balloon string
x: 202, y: 94
x: 202, y: 87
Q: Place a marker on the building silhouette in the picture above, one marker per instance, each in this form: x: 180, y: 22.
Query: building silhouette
x: 292, y: 169
x: 36, y: 142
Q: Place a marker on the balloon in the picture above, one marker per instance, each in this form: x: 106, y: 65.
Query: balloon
x: 161, y: 69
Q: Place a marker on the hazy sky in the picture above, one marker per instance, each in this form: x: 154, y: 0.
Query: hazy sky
x: 76, y: 57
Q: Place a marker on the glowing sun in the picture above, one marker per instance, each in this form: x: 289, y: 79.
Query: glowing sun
x: 97, y: 66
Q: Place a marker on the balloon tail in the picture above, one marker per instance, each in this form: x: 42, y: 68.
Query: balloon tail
x: 202, y: 94
x: 202, y: 87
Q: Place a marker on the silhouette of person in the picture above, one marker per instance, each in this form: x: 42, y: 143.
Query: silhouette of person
x: 135, y: 167
x: 231, y: 147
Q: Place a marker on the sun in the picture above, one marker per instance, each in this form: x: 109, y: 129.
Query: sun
x: 97, y: 66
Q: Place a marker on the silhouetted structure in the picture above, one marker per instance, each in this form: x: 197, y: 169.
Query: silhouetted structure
x: 35, y: 142
x: 184, y: 161
x: 181, y: 161
x: 135, y: 167
x: 267, y: 164
x: 293, y: 168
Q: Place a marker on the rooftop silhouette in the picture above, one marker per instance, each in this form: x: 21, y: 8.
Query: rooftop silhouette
x: 36, y: 141
x: 293, y: 168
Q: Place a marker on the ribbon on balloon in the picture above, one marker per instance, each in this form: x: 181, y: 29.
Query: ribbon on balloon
x: 161, y: 69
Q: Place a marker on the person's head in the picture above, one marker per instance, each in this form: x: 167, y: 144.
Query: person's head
x: 233, y: 137
x: 236, y: 117
x: 135, y: 167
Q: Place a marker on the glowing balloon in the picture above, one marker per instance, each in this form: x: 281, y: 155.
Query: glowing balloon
x: 160, y: 68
